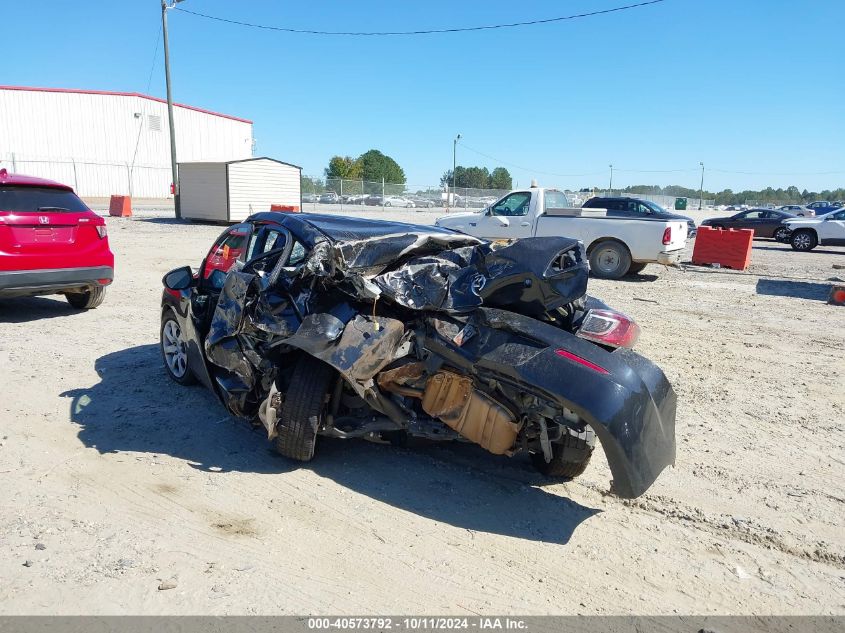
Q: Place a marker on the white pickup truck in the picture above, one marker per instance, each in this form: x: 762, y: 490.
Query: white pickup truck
x: 615, y: 246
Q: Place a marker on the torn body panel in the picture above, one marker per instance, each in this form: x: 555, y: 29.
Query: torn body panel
x: 435, y: 334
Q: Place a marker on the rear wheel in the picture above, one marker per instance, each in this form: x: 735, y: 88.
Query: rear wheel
x: 636, y: 268
x: 87, y: 300
x: 570, y: 456
x: 804, y: 240
x: 304, y: 408
x: 781, y: 234
x: 610, y: 260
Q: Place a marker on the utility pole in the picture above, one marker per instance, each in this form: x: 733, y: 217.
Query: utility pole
x: 701, y: 189
x: 610, y: 188
x: 454, y: 166
x: 174, y: 169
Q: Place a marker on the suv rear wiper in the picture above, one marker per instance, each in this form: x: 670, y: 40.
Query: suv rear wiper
x: 60, y: 209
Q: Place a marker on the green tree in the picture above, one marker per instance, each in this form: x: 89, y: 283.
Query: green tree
x: 375, y: 166
x: 344, y: 167
x: 312, y: 185
x: 500, y: 178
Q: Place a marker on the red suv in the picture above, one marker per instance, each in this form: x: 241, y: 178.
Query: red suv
x: 51, y: 243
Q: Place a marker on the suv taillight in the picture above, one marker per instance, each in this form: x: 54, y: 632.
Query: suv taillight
x: 609, y: 327
x: 667, y: 235
x: 102, y: 231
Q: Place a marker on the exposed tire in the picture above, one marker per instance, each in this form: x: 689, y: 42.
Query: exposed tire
x: 387, y: 204
x: 570, y: 456
x: 87, y: 300
x: 781, y: 234
x: 609, y: 260
x: 636, y: 268
x: 804, y: 240
x: 304, y: 408
x: 174, y: 350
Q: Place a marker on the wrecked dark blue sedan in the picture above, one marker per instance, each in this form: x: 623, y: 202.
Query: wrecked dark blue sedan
x: 310, y: 325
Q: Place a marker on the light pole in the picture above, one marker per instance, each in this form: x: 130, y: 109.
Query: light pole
x: 174, y: 170
x: 610, y: 188
x: 701, y: 189
x: 454, y: 164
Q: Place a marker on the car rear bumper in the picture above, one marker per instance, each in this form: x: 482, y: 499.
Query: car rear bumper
x: 669, y: 257
x: 17, y: 283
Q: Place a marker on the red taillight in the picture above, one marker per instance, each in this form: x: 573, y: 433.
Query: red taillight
x: 609, y: 327
x: 581, y: 361
x: 104, y: 282
x: 667, y: 235
x: 102, y: 231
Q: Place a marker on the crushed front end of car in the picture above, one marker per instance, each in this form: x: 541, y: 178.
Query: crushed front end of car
x: 438, y: 335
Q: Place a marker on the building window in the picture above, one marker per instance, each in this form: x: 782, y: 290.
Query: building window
x: 154, y: 122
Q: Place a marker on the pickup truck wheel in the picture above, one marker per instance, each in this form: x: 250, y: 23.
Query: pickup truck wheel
x: 570, y: 456
x: 87, y: 300
x: 636, y: 268
x: 610, y: 260
x: 304, y: 409
x: 804, y: 240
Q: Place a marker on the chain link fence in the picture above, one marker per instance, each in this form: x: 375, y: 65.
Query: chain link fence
x: 102, y: 179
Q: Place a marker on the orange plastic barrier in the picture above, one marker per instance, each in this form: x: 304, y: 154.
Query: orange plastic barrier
x: 287, y: 208
x: 729, y: 248
x: 837, y: 296
x: 120, y: 206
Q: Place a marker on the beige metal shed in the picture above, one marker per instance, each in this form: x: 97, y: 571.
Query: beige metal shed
x: 233, y: 190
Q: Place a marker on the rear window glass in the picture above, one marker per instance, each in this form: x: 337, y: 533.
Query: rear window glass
x: 34, y: 199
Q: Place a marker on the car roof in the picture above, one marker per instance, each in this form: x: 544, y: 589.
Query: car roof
x: 29, y: 181
x: 341, y: 228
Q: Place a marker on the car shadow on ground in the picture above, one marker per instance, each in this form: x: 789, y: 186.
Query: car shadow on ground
x: 640, y: 278
x: 796, y: 289
x: 27, y: 309
x: 136, y: 408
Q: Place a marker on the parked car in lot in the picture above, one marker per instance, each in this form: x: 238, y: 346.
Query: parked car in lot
x: 347, y: 328
x: 796, y: 209
x: 51, y: 243
x: 374, y: 200
x: 764, y: 222
x: 398, y: 201
x: 820, y: 207
x: 804, y: 234
x: 624, y: 207
x: 422, y: 203
x: 330, y: 197
x: 616, y: 246
x: 310, y: 197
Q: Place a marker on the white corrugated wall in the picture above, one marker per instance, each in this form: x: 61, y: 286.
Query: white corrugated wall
x: 255, y: 185
x: 103, y: 144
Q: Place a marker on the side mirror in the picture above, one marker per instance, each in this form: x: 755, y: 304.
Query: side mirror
x: 179, y: 279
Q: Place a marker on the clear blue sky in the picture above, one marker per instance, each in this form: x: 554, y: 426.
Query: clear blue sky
x: 742, y: 85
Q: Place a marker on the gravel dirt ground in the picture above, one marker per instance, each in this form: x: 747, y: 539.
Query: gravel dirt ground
x: 126, y: 493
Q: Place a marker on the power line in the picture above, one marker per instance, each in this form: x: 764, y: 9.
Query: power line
x: 146, y: 92
x: 486, y: 27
